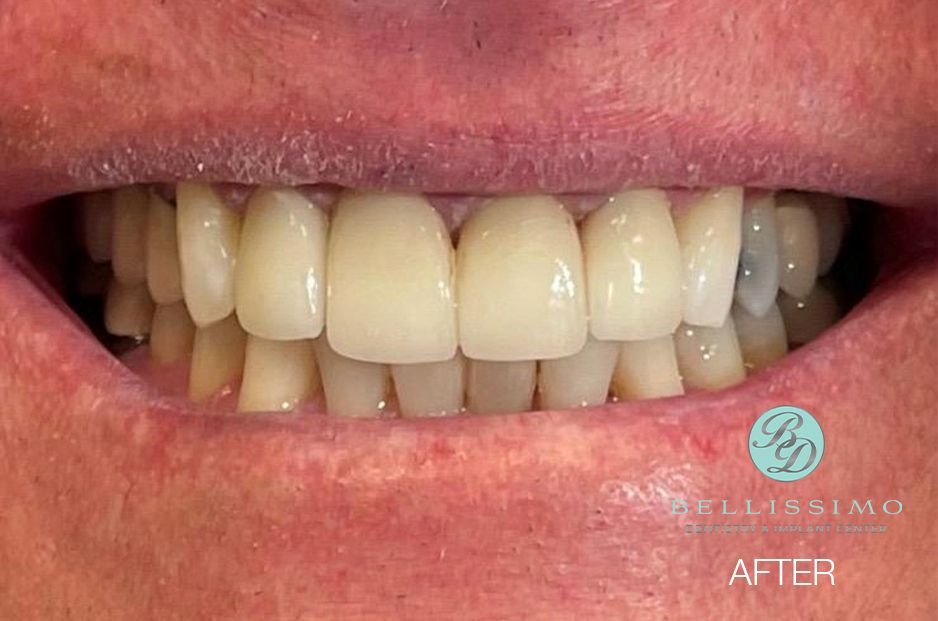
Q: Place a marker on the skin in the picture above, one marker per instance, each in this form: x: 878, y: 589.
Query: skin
x: 120, y: 503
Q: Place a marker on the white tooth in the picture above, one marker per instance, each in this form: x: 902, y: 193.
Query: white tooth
x: 500, y: 387
x: 709, y: 358
x: 129, y: 237
x: 352, y: 387
x: 390, y: 280
x: 647, y: 370
x: 806, y: 319
x: 280, y: 277
x: 97, y: 224
x: 798, y: 245
x: 579, y: 380
x: 162, y: 256
x: 172, y: 333
x: 519, y: 273
x: 710, y: 237
x: 217, y: 357
x: 207, y: 234
x: 93, y: 278
x: 761, y: 339
x: 832, y: 218
x: 431, y: 388
x: 277, y: 375
x: 128, y: 309
x: 633, y: 267
x: 758, y: 276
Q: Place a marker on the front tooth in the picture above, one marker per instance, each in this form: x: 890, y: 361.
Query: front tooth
x: 129, y: 241
x: 709, y: 233
x: 806, y: 319
x: 217, y: 357
x: 280, y: 277
x: 761, y: 339
x: 162, y: 255
x: 633, y: 267
x: 128, y: 309
x: 207, y: 233
x: 832, y: 217
x: 709, y: 358
x: 500, y: 387
x: 390, y: 280
x: 352, y: 387
x: 758, y: 276
x: 579, y: 380
x: 647, y: 370
x: 277, y: 375
x: 97, y: 224
x: 798, y: 245
x: 172, y: 333
x: 520, y: 281
x: 430, y: 388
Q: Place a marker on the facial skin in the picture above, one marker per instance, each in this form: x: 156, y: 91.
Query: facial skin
x: 118, y: 503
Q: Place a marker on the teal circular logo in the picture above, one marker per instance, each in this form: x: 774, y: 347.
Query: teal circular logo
x: 786, y: 443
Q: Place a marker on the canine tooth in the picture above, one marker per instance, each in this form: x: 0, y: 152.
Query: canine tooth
x: 710, y: 237
x: 390, y: 280
x: 633, y: 267
x: 832, y: 218
x: 579, y: 380
x: 758, y: 275
x: 647, y: 370
x: 709, y: 358
x: 430, y: 388
x: 172, y: 333
x: 129, y: 240
x: 519, y: 274
x: 500, y: 387
x: 798, y: 245
x: 217, y: 357
x: 97, y: 224
x: 128, y: 309
x: 806, y: 319
x: 162, y: 256
x: 277, y: 375
x: 762, y: 340
x: 280, y: 276
x: 352, y: 387
x: 207, y: 233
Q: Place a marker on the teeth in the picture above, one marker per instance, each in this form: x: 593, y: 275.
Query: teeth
x: 808, y: 318
x: 709, y: 358
x: 390, y: 280
x: 352, y: 388
x: 128, y: 309
x: 798, y: 245
x: 710, y: 238
x: 208, y: 244
x: 832, y: 217
x: 758, y: 276
x: 761, y: 339
x: 217, y: 358
x: 579, y: 380
x: 520, y: 282
x: 277, y: 375
x: 432, y: 388
x: 647, y: 370
x: 172, y: 334
x: 162, y: 252
x: 97, y: 212
x: 129, y: 241
x: 633, y: 267
x: 280, y: 277
x: 500, y: 387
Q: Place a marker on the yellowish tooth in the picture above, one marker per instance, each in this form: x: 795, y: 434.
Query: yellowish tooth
x: 390, y: 280
x: 806, y: 319
x: 500, y: 387
x: 278, y: 375
x: 799, y: 245
x: 633, y: 267
x: 217, y: 357
x: 93, y: 278
x: 832, y: 219
x: 162, y: 254
x: 520, y: 281
x: 280, y: 283
x: 757, y: 279
x: 647, y: 370
x: 580, y: 380
x: 352, y: 387
x: 172, y: 334
x: 710, y: 237
x: 762, y: 340
x: 207, y: 233
x: 128, y: 309
x: 430, y: 388
x: 129, y: 241
x: 97, y: 224
x: 709, y: 358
